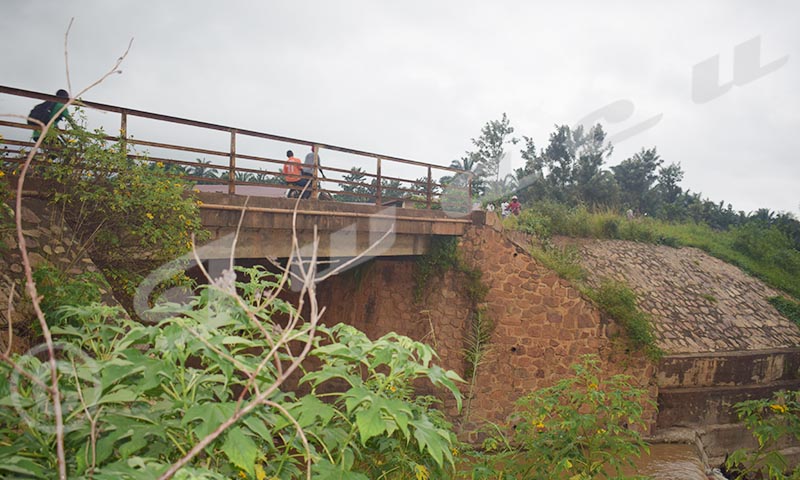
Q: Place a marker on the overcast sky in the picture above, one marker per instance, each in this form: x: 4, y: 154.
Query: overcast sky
x: 418, y: 79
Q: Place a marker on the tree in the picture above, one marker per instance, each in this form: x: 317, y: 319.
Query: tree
x: 359, y: 189
x: 572, y: 161
x: 495, y: 135
x: 469, y: 163
x: 668, y: 179
x: 635, y: 176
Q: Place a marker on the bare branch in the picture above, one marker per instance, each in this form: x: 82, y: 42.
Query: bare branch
x: 9, y: 320
x: 66, y: 53
x: 299, y: 432
x: 31, y: 285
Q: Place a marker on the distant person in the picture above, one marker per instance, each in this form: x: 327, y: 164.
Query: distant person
x: 514, y: 207
x: 292, y: 172
x: 504, y: 209
x: 308, y: 163
x: 45, y: 111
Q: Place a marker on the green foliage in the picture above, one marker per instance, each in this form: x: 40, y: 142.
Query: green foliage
x: 128, y: 214
x: 358, y: 190
x: 562, y: 260
x: 787, y: 308
x: 59, y: 289
x: 136, y: 397
x: 769, y: 420
x: 619, y: 301
x: 583, y: 427
x: 615, y: 299
x: 477, y: 346
x: 375, y: 421
x: 442, y: 256
x: 490, y: 147
x: 635, y: 177
x: 763, y: 251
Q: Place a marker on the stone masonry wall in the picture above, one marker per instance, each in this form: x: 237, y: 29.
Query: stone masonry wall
x: 47, y: 242
x: 542, y: 324
x: 698, y: 303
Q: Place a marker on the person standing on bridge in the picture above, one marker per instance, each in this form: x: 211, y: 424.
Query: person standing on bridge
x: 311, y: 159
x: 45, y: 111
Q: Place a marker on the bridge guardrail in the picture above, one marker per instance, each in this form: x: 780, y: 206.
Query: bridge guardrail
x: 380, y: 179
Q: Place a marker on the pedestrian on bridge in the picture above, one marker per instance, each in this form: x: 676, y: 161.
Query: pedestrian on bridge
x: 45, y: 111
x: 292, y: 173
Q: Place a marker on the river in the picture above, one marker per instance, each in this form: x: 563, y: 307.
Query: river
x: 670, y: 462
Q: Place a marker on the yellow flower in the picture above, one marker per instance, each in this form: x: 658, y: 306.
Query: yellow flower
x: 421, y: 472
x: 199, y: 202
x: 393, y: 388
x: 2, y: 174
x: 160, y: 164
x: 242, y: 474
x: 149, y: 215
x: 260, y: 473
x: 778, y: 408
x: 455, y: 452
x: 540, y: 427
x: 592, y: 386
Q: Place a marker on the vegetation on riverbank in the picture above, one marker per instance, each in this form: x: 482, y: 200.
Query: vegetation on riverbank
x: 763, y: 251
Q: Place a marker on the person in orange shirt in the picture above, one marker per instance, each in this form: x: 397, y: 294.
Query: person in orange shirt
x: 292, y: 173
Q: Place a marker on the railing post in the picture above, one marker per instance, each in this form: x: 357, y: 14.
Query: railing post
x: 232, y: 165
x: 123, y: 132
x: 315, y: 172
x: 378, y: 185
x: 429, y: 189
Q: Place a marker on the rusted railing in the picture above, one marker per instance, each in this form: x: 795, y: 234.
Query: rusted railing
x: 374, y: 182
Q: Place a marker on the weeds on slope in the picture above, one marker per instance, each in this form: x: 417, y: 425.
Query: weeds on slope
x: 764, y: 252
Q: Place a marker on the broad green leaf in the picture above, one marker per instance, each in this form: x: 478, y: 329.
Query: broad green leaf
x: 122, y: 395
x: 325, y: 470
x: 240, y: 449
x: 430, y: 437
x: 370, y: 423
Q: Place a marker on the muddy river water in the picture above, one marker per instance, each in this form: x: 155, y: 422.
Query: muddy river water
x: 670, y: 462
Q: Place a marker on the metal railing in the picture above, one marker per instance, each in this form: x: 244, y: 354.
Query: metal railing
x: 374, y: 185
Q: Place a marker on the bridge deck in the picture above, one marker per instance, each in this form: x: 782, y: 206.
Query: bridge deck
x: 344, y: 229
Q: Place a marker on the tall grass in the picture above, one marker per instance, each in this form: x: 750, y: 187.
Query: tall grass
x: 763, y: 252
x: 615, y: 299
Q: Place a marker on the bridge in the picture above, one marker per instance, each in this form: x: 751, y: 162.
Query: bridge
x: 356, y: 197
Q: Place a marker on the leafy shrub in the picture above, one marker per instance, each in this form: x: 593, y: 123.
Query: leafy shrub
x: 136, y: 397
x: 610, y: 228
x: 578, y: 428
x: 59, y: 289
x: 619, y: 301
x: 128, y: 214
x: 769, y: 420
x: 758, y: 242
